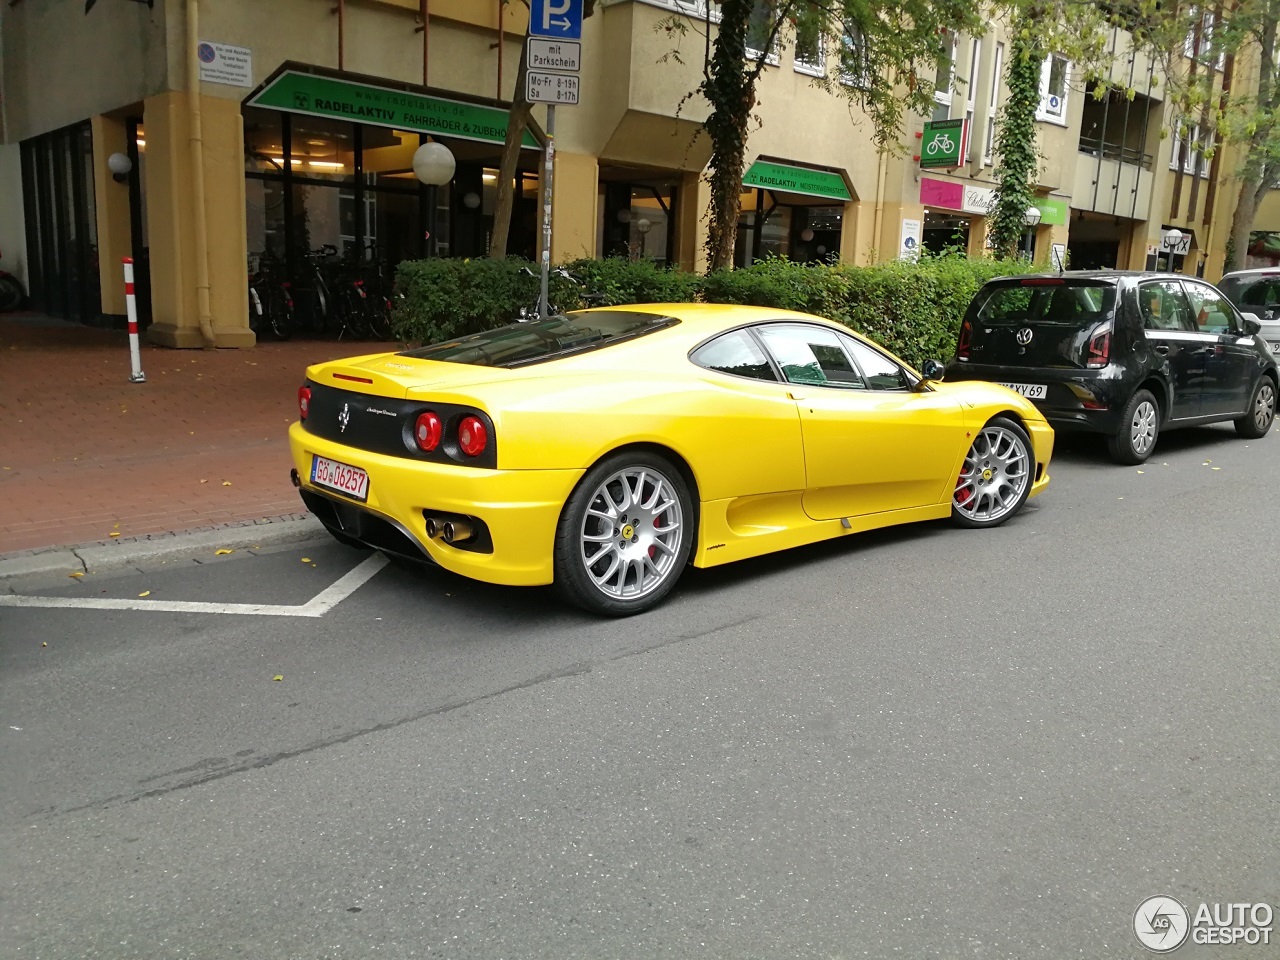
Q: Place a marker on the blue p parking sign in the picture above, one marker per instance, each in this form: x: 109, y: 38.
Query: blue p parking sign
x: 561, y: 19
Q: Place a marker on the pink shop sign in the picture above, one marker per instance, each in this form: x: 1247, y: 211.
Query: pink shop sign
x: 940, y: 193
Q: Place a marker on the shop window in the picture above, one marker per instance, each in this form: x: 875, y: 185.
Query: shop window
x: 942, y: 232
x: 783, y: 225
x: 322, y: 149
x: 635, y: 221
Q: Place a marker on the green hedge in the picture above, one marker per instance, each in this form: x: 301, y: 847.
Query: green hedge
x: 913, y: 309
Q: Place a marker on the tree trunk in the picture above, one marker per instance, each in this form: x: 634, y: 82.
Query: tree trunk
x: 730, y: 88
x: 517, y: 123
x: 1253, y: 188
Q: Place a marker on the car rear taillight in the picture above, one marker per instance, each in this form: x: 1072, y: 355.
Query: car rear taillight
x: 966, y: 336
x: 473, y: 436
x: 427, y: 431
x: 304, y: 402
x: 1099, y: 352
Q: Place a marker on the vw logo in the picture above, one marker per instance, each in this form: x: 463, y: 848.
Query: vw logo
x: 344, y: 417
x: 1025, y: 335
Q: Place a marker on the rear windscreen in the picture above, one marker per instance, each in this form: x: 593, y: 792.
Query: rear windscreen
x: 1069, y: 304
x: 1249, y: 293
x: 536, y: 341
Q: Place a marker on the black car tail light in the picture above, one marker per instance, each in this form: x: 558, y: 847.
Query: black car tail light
x: 1099, y: 352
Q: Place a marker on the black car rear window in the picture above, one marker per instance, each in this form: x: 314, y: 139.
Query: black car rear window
x: 1070, y: 303
x: 537, y: 341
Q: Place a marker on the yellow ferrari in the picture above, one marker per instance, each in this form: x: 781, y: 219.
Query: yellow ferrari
x: 605, y: 450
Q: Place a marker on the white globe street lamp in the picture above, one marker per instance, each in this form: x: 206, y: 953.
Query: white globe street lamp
x: 1171, y: 238
x: 1032, y: 216
x: 119, y: 165
x: 434, y: 165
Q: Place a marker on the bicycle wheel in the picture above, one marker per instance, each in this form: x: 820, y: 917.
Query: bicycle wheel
x: 279, y: 313
x: 378, y: 312
x: 11, y: 294
x: 351, y: 312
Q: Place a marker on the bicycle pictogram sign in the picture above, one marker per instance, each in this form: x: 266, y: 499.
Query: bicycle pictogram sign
x: 941, y: 143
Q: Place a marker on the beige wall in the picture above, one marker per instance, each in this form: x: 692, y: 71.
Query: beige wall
x: 13, y: 233
x: 62, y: 66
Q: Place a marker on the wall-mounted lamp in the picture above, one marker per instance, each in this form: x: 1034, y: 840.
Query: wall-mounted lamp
x: 119, y: 165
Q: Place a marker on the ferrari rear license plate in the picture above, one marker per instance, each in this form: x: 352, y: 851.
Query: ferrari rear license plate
x: 1032, y: 391
x: 352, y: 481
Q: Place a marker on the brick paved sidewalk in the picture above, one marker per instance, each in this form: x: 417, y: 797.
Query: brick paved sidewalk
x: 84, y: 453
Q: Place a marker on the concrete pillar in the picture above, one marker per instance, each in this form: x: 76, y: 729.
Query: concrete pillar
x: 851, y: 231
x: 111, y: 200
x: 691, y: 235
x: 171, y: 222
x: 890, y: 241
x: 977, y: 246
x: 573, y: 207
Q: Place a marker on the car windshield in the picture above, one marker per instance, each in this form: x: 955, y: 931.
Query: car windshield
x: 536, y: 341
x: 1076, y: 304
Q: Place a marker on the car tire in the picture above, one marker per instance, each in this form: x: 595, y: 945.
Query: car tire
x: 1261, y: 412
x: 1135, y: 438
x: 625, y: 534
x: 996, y: 476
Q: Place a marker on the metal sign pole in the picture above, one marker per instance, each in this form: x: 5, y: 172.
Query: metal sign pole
x: 548, y: 180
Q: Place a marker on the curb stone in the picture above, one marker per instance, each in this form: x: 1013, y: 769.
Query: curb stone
x: 98, y: 557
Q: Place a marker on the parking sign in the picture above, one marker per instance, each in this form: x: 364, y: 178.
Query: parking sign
x: 560, y: 19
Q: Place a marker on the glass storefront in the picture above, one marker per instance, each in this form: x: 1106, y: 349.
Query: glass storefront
x: 315, y: 185
x: 775, y: 224
x: 62, y: 225
x: 636, y: 217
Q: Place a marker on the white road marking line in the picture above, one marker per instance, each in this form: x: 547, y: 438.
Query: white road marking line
x: 317, y: 606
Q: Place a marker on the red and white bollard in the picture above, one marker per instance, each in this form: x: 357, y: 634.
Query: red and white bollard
x: 135, y: 357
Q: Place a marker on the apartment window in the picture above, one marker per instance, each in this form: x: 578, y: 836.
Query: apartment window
x: 1188, y: 153
x: 1054, y: 76
x: 693, y: 8
x: 764, y: 14
x: 854, y: 68
x: 944, y: 82
x: 971, y: 89
x: 993, y: 104
x: 1201, y: 48
x: 808, y: 53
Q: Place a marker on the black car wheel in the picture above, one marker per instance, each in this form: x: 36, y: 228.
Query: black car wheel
x: 1135, y: 439
x: 624, y: 535
x: 1261, y: 411
x: 995, y: 480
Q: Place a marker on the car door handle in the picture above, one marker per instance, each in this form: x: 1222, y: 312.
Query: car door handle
x: 794, y: 395
x: 1162, y: 348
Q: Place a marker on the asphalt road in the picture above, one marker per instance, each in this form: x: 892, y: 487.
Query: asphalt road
x: 925, y: 742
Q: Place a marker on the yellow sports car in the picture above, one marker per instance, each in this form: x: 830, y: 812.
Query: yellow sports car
x: 606, y: 449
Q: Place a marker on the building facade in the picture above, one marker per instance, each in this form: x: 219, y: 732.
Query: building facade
x: 266, y: 132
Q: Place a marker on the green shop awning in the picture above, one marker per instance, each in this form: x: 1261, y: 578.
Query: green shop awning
x: 787, y: 178
x: 314, y: 94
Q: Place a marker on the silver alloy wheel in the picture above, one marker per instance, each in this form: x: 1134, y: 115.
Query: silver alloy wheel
x: 1142, y: 431
x: 631, y: 533
x: 1264, y: 407
x: 995, y: 474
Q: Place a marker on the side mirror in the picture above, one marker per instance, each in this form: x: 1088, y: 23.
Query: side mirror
x: 1252, y: 325
x: 932, y: 369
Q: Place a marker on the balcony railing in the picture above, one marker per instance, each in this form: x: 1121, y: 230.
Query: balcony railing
x: 1110, y: 150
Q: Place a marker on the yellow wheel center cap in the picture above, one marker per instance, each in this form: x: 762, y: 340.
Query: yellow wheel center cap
x: 628, y: 532
x: 987, y: 474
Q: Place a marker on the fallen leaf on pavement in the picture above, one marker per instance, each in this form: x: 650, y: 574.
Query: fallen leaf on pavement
x: 278, y: 677
x: 78, y: 573
x: 1142, y: 471
x: 115, y: 533
x: 204, y: 481
x: 44, y: 644
x: 226, y: 483
x: 306, y: 559
x: 145, y: 593
x: 1216, y: 468
x: 223, y: 552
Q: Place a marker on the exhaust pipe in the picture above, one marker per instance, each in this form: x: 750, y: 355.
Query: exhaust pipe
x: 293, y: 477
x: 433, y: 527
x: 457, y: 531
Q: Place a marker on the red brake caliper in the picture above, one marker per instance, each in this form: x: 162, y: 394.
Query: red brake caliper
x: 962, y: 496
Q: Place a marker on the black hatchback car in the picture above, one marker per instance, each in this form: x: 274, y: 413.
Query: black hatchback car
x: 1122, y: 354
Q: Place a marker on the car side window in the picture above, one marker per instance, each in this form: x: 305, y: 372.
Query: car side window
x: 1164, y: 307
x: 811, y: 355
x: 880, y: 372
x: 1209, y: 309
x: 735, y: 353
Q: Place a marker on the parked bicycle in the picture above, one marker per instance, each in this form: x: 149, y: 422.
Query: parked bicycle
x: 270, y: 299
x: 589, y: 298
x: 12, y: 293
